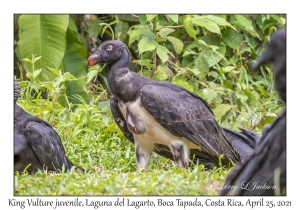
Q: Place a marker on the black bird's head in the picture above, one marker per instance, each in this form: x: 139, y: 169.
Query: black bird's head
x: 17, y: 90
x: 109, y: 52
x: 276, y: 54
x: 275, y: 50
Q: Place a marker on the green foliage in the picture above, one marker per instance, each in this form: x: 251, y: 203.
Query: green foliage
x: 95, y: 143
x: 206, y: 54
x: 43, y: 35
x: 53, y: 38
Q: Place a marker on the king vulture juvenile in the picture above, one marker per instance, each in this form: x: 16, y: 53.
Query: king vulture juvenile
x: 164, y: 117
x: 264, y: 173
x: 36, y: 142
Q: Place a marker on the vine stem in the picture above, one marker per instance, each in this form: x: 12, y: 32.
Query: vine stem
x: 179, y: 26
x: 260, y: 120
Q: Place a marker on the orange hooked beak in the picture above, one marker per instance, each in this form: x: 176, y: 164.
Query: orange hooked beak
x: 92, y: 60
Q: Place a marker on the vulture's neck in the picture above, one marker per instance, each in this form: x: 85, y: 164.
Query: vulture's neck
x: 123, y: 83
x: 123, y: 60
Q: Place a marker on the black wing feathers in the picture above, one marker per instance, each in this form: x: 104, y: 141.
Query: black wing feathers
x: 184, y: 115
x: 47, y: 145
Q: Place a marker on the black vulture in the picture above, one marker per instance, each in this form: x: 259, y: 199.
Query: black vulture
x: 163, y: 117
x: 276, y: 54
x: 264, y: 173
x: 36, y: 142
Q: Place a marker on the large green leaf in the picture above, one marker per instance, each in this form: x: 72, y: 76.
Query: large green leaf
x: 221, y: 110
x: 162, y: 72
x: 174, y: 18
x: 213, y: 51
x: 189, y: 26
x: 177, y: 43
x: 247, y: 25
x: 202, y: 65
x: 233, y: 38
x: 143, y: 19
x: 207, y: 23
x: 146, y: 44
x: 220, y: 21
x: 75, y: 62
x: 43, y: 35
x: 150, y: 17
x: 163, y: 52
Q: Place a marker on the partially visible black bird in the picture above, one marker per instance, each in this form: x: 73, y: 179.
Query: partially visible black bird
x: 161, y: 116
x: 36, y: 142
x: 276, y: 54
x: 244, y: 141
x: 264, y: 173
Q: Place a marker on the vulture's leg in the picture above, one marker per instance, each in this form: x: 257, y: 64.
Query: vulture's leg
x: 143, y: 150
x: 180, y: 153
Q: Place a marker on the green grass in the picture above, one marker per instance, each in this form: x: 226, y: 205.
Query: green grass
x: 172, y: 181
x: 94, y: 142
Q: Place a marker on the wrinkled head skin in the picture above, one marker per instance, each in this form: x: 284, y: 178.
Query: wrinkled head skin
x: 276, y: 54
x: 107, y: 52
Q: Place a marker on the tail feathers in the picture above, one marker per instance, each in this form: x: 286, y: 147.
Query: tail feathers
x: 244, y: 141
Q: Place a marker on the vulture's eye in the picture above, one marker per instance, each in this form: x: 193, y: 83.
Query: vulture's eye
x: 109, y: 47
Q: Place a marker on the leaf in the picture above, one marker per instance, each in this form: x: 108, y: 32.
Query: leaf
x: 128, y: 18
x: 221, y: 110
x: 189, y: 52
x: 243, y: 98
x: 164, y: 32
x: 206, y: 23
x: 267, y: 120
x: 214, y: 51
x: 162, y: 72
x: 247, y: 25
x: 127, y: 152
x: 121, y: 29
x: 220, y: 21
x: 182, y: 83
x: 75, y: 64
x: 227, y: 69
x: 146, y: 32
x: 55, y: 71
x: 163, y: 52
x: 146, y: 44
x: 143, y: 19
x: 213, y: 74
x: 209, y: 94
x: 150, y: 17
x: 189, y: 26
x: 244, y: 21
x: 195, y: 71
x: 94, y: 27
x: 36, y: 72
x: 144, y: 62
x: 202, y: 65
x: 243, y: 120
x: 43, y: 35
x: 232, y: 38
x: 174, y: 18
x: 134, y: 34
x: 177, y: 43
x: 91, y: 75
